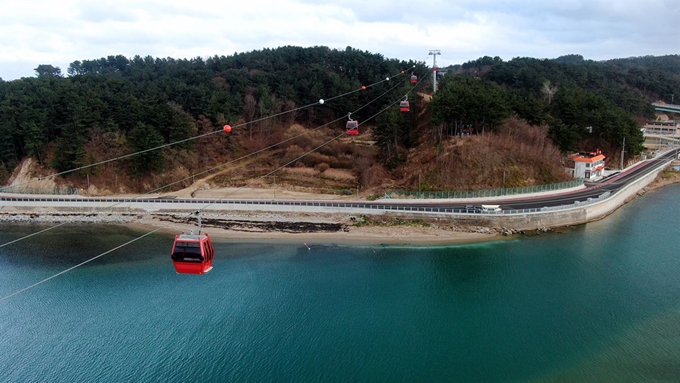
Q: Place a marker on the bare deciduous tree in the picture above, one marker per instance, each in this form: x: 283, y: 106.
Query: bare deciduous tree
x: 548, y: 90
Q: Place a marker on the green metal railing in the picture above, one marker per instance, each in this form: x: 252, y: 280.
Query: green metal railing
x: 482, y: 193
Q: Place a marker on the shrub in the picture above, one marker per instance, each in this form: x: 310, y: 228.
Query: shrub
x: 322, y: 167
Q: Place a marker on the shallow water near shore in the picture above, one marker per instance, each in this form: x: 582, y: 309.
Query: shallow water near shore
x: 600, y: 302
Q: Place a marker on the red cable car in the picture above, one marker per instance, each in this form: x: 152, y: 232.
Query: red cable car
x: 404, y: 106
x: 352, y: 127
x: 193, y: 253
x: 414, y: 79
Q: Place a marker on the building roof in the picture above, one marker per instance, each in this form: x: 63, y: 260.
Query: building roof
x: 587, y: 157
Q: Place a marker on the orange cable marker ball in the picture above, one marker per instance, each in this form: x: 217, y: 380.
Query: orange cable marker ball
x: 363, y: 87
x: 227, y: 128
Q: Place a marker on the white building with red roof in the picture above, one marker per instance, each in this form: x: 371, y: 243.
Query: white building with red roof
x: 588, y: 165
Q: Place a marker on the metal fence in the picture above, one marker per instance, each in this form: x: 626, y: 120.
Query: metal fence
x: 482, y: 193
x: 62, y: 190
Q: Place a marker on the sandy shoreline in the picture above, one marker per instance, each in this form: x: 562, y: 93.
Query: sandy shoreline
x: 358, y: 237
x: 276, y: 227
x: 369, y: 235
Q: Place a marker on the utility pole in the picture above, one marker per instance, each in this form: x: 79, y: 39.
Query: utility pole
x: 623, y: 150
x: 434, y: 54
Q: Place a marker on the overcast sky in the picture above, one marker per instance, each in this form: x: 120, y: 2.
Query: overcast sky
x: 60, y: 32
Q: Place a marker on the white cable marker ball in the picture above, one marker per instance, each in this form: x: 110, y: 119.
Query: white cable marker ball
x: 321, y: 101
x: 388, y: 79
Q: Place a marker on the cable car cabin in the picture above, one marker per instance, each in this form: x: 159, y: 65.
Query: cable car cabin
x: 192, y: 254
x: 414, y: 79
x: 404, y: 106
x: 352, y: 127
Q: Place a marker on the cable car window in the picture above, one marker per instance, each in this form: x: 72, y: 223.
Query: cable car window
x: 187, y: 252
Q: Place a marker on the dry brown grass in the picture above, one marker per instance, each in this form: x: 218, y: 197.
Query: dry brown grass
x: 305, y: 172
x: 338, y: 175
x: 518, y: 155
x: 311, y: 180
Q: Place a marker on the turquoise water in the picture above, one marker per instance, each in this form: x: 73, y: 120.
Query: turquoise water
x: 598, y: 303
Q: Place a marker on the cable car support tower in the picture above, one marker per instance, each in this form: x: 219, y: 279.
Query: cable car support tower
x: 434, y: 54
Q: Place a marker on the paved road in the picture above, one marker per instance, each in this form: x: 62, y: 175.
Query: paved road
x: 612, y: 185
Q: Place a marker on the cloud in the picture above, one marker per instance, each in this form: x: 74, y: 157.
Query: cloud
x: 59, y: 33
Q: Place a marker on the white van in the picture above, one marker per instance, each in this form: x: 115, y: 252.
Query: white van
x: 491, y: 208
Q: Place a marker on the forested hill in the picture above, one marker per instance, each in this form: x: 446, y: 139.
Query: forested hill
x: 570, y: 94
x: 109, y: 107
x: 141, y: 102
